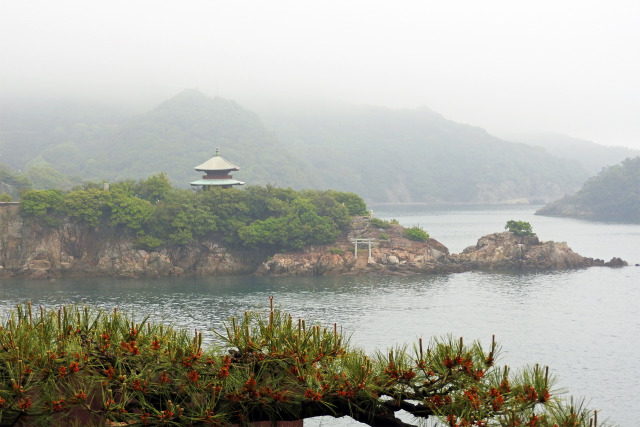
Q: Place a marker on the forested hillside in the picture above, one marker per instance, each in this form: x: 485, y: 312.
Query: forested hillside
x: 593, y: 157
x: 418, y: 156
x: 612, y: 195
x: 179, y: 134
x: 384, y: 155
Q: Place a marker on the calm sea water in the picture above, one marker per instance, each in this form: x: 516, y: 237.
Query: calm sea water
x: 584, y: 324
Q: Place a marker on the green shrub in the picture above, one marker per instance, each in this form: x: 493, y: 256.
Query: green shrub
x: 89, y: 206
x: 129, y: 211
x: 41, y: 202
x: 384, y: 236
x: 416, y: 233
x: 354, y: 203
x: 4, y: 197
x: 379, y: 223
x: 336, y: 251
x: 147, y: 242
x: 519, y: 228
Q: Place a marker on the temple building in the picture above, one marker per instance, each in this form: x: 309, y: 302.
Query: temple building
x: 217, y: 173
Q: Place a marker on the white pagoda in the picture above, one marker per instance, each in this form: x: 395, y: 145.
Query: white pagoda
x: 216, y: 171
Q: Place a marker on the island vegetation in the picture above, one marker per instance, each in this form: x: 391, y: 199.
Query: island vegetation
x: 612, y: 195
x: 519, y: 228
x: 76, y: 366
x: 148, y: 228
x: 158, y: 214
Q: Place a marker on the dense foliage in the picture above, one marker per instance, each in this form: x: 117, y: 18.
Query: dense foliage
x: 75, y: 366
x: 416, y: 155
x: 379, y: 223
x: 382, y: 154
x: 612, y: 195
x: 255, y: 217
x: 416, y: 233
x: 519, y: 228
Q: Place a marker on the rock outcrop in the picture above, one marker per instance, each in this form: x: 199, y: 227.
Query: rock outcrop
x: 395, y: 254
x: 508, y: 252
x: 391, y: 253
x: 33, y: 250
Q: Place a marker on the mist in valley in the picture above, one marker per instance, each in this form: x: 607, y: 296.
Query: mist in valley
x: 569, y: 68
x: 388, y: 100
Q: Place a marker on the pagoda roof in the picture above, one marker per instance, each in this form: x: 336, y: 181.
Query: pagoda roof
x: 217, y: 163
x: 217, y: 182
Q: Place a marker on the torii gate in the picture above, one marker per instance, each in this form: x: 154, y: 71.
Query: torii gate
x: 367, y: 241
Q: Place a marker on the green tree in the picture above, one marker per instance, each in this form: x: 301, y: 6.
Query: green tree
x: 42, y: 202
x: 129, y: 211
x: 154, y: 188
x: 416, y: 233
x: 519, y: 228
x: 4, y: 197
x: 355, y: 204
x: 88, y: 206
x: 301, y: 226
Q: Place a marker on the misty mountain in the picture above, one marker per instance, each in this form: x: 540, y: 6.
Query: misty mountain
x: 185, y: 131
x: 385, y: 155
x: 416, y: 155
x: 179, y: 134
x: 593, y: 157
x: 29, y: 128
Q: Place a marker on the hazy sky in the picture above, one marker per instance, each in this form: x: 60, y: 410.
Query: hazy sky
x: 566, y: 66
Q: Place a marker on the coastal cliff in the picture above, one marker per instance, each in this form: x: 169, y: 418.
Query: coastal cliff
x: 33, y: 250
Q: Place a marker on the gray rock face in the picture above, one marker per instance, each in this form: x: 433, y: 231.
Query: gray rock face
x: 29, y: 249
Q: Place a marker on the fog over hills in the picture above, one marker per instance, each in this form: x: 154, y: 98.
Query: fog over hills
x: 416, y: 155
x: 383, y: 154
x: 593, y: 157
x: 611, y: 195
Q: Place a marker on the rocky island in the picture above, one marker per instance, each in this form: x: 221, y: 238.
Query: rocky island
x: 395, y: 254
x: 31, y: 250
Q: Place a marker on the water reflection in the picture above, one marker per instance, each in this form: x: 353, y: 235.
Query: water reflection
x: 584, y: 324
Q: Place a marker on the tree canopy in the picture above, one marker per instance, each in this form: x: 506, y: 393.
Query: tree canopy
x: 519, y: 228
x: 159, y: 214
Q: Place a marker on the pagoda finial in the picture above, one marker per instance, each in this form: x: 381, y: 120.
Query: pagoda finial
x: 217, y: 151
